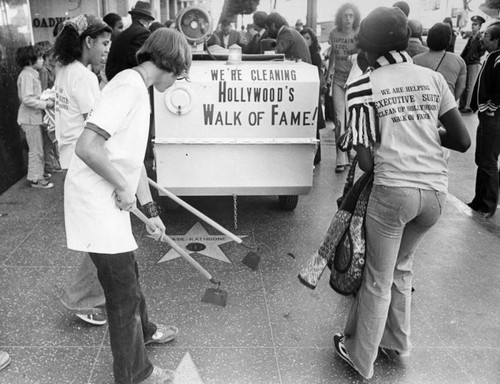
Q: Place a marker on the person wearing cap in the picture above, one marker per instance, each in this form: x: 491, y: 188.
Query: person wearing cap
x: 486, y: 102
x: 83, y: 42
x: 472, y: 54
x: 125, y: 46
x: 415, y: 45
x: 259, y: 22
x: 100, y: 189
x: 394, y: 110
x: 343, y: 46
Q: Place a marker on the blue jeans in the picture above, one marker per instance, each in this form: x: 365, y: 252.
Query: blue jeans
x: 35, y: 151
x: 396, y: 221
x: 128, y: 318
x: 486, y: 156
x: 84, y: 294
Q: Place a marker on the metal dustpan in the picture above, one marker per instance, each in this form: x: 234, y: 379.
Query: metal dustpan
x: 251, y: 260
x: 214, y: 296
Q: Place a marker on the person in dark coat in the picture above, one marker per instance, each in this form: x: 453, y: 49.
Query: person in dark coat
x: 288, y: 40
x: 259, y: 21
x: 122, y: 53
x: 228, y: 36
x: 472, y: 54
x: 314, y: 49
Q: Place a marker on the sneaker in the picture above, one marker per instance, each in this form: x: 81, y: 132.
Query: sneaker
x: 42, y: 183
x: 339, y: 168
x: 4, y: 359
x: 163, y: 335
x: 338, y: 342
x: 47, y: 175
x: 93, y: 318
x: 56, y: 170
x: 160, y: 376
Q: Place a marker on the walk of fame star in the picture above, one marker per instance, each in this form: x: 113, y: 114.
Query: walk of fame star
x: 198, y: 241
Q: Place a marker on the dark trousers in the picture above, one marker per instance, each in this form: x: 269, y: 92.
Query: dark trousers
x: 127, y: 314
x: 487, y: 152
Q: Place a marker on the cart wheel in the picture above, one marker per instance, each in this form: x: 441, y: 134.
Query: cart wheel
x: 288, y: 202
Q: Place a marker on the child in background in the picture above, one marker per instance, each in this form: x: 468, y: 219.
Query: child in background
x: 30, y: 113
x: 47, y: 76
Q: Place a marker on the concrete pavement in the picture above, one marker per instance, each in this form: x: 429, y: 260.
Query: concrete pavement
x: 273, y: 329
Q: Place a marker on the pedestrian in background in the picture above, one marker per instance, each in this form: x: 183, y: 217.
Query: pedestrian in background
x: 47, y: 77
x: 122, y: 52
x: 415, y: 44
x: 100, y: 189
x: 259, y: 21
x: 83, y: 42
x: 343, y: 46
x: 30, y: 114
x: 472, y: 54
x: 314, y: 50
x: 449, y: 64
x: 486, y: 102
x: 454, y: 34
x: 115, y: 22
x: 405, y: 152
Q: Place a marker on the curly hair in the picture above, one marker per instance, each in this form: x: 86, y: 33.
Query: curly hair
x: 28, y: 55
x: 343, y: 8
x: 315, y: 44
x: 68, y: 46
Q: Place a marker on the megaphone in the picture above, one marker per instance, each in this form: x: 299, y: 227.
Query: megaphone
x: 195, y: 24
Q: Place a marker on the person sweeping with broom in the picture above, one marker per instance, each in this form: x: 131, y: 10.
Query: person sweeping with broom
x: 101, y: 187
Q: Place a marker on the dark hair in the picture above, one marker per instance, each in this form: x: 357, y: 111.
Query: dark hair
x: 156, y: 25
x: 46, y: 48
x: 276, y: 19
x: 448, y: 20
x: 403, y: 5
x: 495, y: 31
x: 225, y: 23
x: 168, y: 50
x: 168, y: 23
x: 344, y: 7
x: 315, y: 45
x: 68, y: 46
x: 28, y: 55
x: 439, y: 37
x: 111, y: 19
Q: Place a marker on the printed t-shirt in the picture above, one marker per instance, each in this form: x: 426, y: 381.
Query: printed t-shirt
x: 77, y: 88
x: 343, y: 46
x: 93, y: 221
x: 409, y: 100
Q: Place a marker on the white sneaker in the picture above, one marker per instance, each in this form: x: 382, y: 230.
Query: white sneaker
x: 93, y: 318
x: 160, y: 376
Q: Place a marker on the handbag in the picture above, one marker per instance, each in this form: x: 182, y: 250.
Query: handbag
x: 343, y: 249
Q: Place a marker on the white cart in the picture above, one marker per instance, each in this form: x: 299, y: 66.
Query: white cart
x: 238, y: 129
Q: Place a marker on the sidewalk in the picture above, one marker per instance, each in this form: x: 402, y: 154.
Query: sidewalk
x: 273, y: 330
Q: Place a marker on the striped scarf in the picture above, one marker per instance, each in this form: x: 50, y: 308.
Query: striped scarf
x: 362, y: 118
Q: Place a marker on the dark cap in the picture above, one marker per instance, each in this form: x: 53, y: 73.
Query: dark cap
x: 87, y: 24
x: 403, y: 5
x: 142, y: 8
x: 383, y: 30
x: 477, y: 19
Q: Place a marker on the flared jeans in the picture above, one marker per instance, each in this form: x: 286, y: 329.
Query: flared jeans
x: 396, y: 221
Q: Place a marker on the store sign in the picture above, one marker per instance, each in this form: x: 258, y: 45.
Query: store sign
x: 47, y: 22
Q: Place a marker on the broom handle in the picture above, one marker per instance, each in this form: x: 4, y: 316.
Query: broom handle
x: 141, y: 216
x: 195, y: 212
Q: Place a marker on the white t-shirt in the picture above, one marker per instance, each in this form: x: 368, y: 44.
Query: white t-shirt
x: 77, y: 88
x: 409, y: 100
x: 93, y: 221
